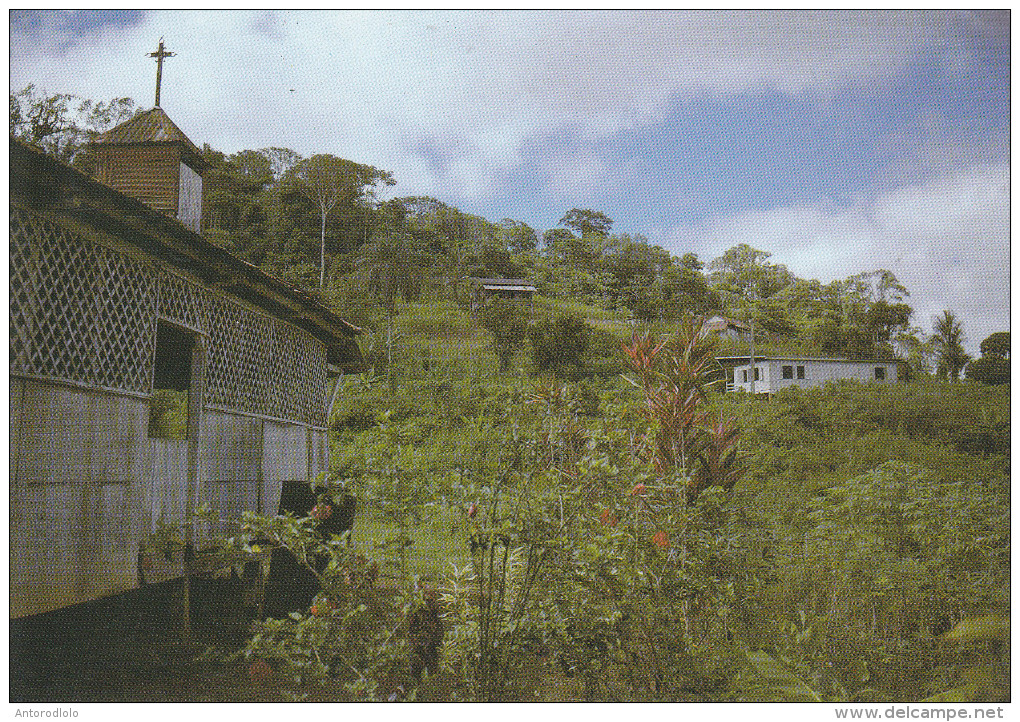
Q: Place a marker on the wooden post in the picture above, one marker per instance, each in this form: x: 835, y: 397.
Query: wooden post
x: 159, y: 55
x: 332, y: 400
x: 180, y: 611
x: 180, y: 614
x: 754, y: 368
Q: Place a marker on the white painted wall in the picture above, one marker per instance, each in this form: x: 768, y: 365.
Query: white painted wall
x: 817, y: 372
x: 189, y: 199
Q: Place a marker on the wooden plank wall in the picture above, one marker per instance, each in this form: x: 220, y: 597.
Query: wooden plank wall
x: 231, y: 465
x: 165, y: 483
x: 76, y: 504
x: 318, y: 452
x: 88, y: 486
x: 146, y: 173
x: 284, y: 458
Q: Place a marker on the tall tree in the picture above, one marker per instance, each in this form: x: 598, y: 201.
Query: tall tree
x: 519, y: 237
x: 996, y: 345
x: 948, y: 341
x: 232, y: 188
x: 388, y: 267
x: 587, y: 222
x: 915, y: 348
x: 281, y: 160
x: 744, y: 275
x: 329, y: 182
x: 993, y: 366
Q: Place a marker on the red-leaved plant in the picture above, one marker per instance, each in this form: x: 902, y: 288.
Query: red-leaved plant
x: 674, y: 374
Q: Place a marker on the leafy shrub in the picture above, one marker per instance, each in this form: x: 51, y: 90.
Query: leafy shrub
x: 603, y: 354
x: 349, y: 640
x: 559, y: 345
x: 508, y: 324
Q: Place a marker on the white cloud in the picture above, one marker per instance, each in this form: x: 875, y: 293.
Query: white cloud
x: 454, y: 102
x: 946, y: 239
x: 478, y: 86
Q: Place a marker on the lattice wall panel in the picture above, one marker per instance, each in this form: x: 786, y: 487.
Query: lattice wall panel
x: 78, y: 311
x: 289, y: 373
x: 183, y: 303
x: 65, y: 290
x: 23, y: 265
x: 84, y: 313
x: 264, y: 366
x: 124, y: 327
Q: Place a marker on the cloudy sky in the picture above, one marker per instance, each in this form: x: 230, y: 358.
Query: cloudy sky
x: 840, y: 142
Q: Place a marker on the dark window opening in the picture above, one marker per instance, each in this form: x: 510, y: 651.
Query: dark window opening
x: 171, y: 383
x: 757, y: 377
x: 745, y: 376
x: 800, y: 372
x: 879, y: 373
x: 787, y: 372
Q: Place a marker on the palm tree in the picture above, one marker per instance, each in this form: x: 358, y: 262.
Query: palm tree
x: 948, y: 342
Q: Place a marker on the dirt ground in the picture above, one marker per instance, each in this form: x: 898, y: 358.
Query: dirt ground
x: 118, y: 650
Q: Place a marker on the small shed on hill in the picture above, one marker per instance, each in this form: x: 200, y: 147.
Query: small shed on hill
x: 728, y: 328
x: 150, y: 370
x: 518, y: 289
x: 772, y: 373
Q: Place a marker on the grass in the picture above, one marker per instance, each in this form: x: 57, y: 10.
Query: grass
x: 595, y: 315
x: 437, y: 542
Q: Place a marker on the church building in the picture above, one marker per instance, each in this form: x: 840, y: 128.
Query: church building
x: 151, y: 372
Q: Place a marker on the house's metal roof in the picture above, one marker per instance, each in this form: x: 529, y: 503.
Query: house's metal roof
x: 494, y: 287
x: 42, y: 183
x: 757, y: 358
x: 718, y: 322
x: 151, y: 126
x: 504, y: 283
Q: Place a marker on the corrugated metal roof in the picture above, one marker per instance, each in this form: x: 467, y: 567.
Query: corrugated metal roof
x: 762, y: 358
x: 721, y: 323
x: 488, y: 287
x: 150, y: 126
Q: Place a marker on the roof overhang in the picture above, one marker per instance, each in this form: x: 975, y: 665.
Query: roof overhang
x: 44, y: 184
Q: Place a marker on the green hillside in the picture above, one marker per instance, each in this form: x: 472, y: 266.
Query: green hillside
x: 865, y: 524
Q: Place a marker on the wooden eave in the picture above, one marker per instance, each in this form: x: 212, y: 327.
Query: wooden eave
x: 188, y: 155
x: 44, y: 184
x: 153, y: 127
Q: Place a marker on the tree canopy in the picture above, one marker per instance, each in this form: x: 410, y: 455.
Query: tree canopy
x: 318, y: 222
x: 63, y: 124
x: 993, y: 366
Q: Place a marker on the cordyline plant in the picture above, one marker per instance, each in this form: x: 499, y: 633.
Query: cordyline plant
x: 674, y: 374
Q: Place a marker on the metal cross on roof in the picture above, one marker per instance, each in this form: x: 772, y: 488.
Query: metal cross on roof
x: 159, y: 55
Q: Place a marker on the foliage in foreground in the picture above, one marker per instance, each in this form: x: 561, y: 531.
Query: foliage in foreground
x: 598, y: 554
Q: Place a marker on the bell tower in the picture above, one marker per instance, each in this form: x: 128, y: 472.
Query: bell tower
x: 150, y: 159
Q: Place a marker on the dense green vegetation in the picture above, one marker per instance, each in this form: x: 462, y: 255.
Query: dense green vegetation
x: 647, y: 541
x: 595, y: 519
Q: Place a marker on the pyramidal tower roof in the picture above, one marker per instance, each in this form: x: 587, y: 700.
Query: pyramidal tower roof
x: 153, y: 126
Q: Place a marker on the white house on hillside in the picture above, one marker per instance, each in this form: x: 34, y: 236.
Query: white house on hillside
x: 774, y: 373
